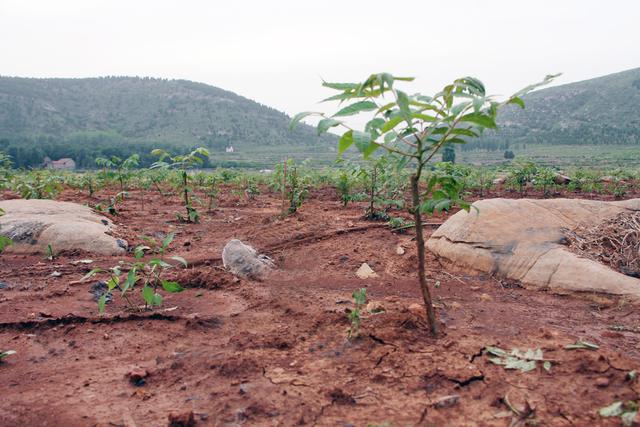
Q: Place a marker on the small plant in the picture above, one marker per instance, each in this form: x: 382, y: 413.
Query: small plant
x: 399, y: 224
x: 359, y: 299
x: 50, y: 254
x: 545, y: 180
x: 522, y: 172
x: 122, y: 168
x: 37, y: 185
x: 293, y: 186
x: 182, y: 163
x: 148, y: 275
x: 626, y: 411
x: 155, y: 246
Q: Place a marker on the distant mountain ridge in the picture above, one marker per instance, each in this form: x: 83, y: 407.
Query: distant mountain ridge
x: 97, y: 116
x: 603, y: 110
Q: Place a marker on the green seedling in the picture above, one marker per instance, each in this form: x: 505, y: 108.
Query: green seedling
x: 146, y: 275
x: 182, y: 163
x: 50, y: 254
x: 359, y: 299
x: 155, y: 246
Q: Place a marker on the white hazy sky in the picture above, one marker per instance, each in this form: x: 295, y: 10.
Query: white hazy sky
x: 277, y: 51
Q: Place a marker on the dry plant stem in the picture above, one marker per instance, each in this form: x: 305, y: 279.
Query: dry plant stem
x: 424, y: 287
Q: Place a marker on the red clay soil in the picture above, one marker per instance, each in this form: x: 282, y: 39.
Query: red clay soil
x: 231, y: 352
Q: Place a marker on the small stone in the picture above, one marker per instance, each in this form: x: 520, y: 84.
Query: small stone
x: 602, y: 382
x: 365, y: 272
x: 375, y: 307
x: 399, y: 250
x: 485, y: 297
x: 244, y: 261
x: 447, y: 401
x: 56, y: 274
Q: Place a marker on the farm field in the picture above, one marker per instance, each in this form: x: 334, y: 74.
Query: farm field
x: 562, y: 155
x: 275, y: 352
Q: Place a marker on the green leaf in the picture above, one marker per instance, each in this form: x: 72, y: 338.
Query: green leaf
x: 371, y: 148
x: 325, y: 124
x: 516, y: 100
x: 356, y: 108
x: 341, y: 86
x: 171, y: 286
x: 113, y: 282
x: 346, y: 140
x: 160, y: 263
x: 131, y: 280
x: 403, y: 104
x: 361, y: 139
x: 360, y: 296
x: 101, y: 302
x: 168, y: 239
x: 4, y: 242
x: 391, y: 123
x: 613, y: 410
x: 138, y: 252
x: 547, y: 366
x: 298, y: 117
x: 480, y: 119
x: 157, y: 300
x: 148, y: 294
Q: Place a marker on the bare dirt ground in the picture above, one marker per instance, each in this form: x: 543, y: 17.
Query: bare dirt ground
x: 275, y: 352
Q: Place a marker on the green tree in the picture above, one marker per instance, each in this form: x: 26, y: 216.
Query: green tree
x: 449, y: 154
x: 415, y: 127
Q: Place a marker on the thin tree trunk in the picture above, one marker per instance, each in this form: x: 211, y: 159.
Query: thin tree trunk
x: 424, y: 287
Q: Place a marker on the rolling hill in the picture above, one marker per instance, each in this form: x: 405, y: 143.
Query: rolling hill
x: 86, y: 118
x: 599, y: 111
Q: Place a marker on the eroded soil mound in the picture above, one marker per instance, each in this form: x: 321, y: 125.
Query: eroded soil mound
x: 615, y: 242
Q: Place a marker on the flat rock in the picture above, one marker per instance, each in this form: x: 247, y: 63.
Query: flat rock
x: 523, y: 240
x: 34, y: 224
x: 244, y: 261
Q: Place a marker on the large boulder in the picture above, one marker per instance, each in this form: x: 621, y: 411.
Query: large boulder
x: 524, y: 240
x: 244, y: 261
x: 35, y: 224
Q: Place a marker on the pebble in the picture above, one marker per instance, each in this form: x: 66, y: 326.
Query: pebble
x: 447, y: 401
